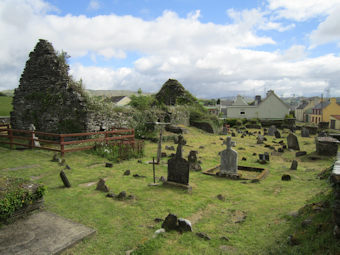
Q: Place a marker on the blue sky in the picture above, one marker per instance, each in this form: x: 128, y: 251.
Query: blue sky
x: 214, y: 48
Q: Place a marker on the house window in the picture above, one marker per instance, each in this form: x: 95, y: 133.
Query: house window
x: 312, y: 119
x: 319, y: 119
x: 242, y: 113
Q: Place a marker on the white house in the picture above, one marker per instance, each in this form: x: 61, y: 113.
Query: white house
x: 120, y: 100
x: 271, y: 108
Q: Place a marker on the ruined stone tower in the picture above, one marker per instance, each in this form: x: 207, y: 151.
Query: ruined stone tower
x: 46, y: 97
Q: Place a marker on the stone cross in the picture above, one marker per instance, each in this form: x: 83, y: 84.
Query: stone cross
x: 228, y: 159
x: 159, y: 149
x: 181, y: 142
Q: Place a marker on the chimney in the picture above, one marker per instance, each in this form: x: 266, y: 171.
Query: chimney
x: 257, y: 99
x: 269, y: 92
x: 332, y: 100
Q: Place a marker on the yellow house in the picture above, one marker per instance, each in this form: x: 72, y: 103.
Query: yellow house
x: 324, y: 110
x: 335, y: 122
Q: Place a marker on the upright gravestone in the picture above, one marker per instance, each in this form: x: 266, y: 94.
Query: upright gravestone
x: 293, y: 142
x: 228, y: 160
x: 260, y: 139
x: 178, y: 167
x: 34, y: 137
x: 304, y: 132
x: 271, y: 130
x: 192, y: 159
x: 277, y: 134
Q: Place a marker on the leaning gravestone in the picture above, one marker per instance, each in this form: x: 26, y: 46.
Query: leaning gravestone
x: 178, y: 167
x: 271, y: 130
x: 228, y: 160
x: 293, y: 142
x: 304, y: 132
x: 64, y: 179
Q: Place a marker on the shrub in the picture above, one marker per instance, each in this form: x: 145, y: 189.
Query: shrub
x: 119, y: 151
x: 15, y: 195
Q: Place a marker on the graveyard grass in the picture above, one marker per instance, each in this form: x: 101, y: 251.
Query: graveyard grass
x: 126, y: 225
x: 5, y: 105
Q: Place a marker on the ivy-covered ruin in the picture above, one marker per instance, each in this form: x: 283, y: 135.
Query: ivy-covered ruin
x: 47, y: 96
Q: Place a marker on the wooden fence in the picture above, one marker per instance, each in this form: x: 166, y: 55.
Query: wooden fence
x: 60, y: 141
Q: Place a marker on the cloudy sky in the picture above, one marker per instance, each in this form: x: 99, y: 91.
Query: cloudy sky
x: 214, y: 48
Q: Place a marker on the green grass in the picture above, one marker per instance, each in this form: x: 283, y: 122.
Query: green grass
x: 5, y: 105
x: 125, y: 225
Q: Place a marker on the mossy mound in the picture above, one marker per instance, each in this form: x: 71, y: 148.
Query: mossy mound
x: 173, y: 93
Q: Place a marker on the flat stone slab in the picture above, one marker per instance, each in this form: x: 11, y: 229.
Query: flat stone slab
x: 19, y: 168
x: 41, y: 233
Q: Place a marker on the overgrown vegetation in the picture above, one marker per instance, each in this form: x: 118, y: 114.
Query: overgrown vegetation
x: 15, y: 194
x: 117, y: 152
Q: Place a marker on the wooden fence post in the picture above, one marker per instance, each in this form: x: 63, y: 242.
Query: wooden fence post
x: 62, y: 145
x: 106, y: 136
x: 32, y: 140
x: 10, y: 136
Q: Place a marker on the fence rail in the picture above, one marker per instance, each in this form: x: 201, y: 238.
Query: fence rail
x: 120, y: 136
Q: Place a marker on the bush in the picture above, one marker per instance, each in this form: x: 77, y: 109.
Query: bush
x: 141, y: 103
x: 118, y: 151
x: 15, y: 195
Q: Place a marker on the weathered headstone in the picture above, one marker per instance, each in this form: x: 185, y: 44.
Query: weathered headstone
x: 277, y: 134
x: 228, y: 159
x: 159, y: 149
x: 64, y: 179
x: 300, y: 153
x: 192, y: 159
x: 178, y: 167
x: 101, y: 186
x: 36, y: 143
x: 293, y: 142
x: 260, y: 139
x: 271, y: 130
x: 170, y: 222
x: 304, y: 132
x: 327, y: 146
x: 294, y: 165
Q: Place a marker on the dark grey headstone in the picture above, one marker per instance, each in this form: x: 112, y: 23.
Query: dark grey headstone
x: 101, y: 186
x: 294, y: 165
x: 170, y: 222
x: 64, y: 179
x: 293, y: 142
x: 286, y: 177
x: 178, y: 167
x: 277, y: 134
x: 304, y: 132
x: 184, y: 225
x: 300, y: 153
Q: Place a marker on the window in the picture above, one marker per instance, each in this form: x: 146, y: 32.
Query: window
x: 242, y: 113
x: 313, y: 119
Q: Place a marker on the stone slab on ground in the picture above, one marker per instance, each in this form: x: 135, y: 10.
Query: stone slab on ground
x: 41, y: 233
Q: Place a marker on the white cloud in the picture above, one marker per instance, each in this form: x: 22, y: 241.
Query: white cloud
x: 210, y: 60
x: 93, y: 5
x: 328, y: 30
x: 301, y: 10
